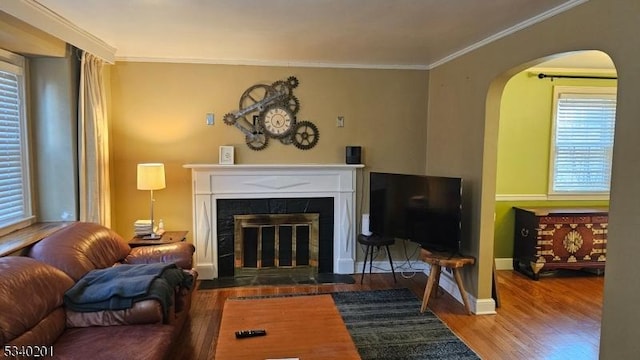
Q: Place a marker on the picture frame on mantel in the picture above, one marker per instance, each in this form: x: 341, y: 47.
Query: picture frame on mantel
x: 226, y: 155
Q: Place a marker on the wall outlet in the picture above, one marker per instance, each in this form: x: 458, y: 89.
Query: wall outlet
x: 210, y: 118
x: 340, y: 121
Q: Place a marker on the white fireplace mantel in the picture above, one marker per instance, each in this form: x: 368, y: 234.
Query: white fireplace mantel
x: 212, y: 182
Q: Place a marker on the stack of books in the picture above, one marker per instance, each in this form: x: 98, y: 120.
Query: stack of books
x: 142, y: 227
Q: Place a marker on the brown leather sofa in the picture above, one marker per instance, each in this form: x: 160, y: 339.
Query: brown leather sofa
x: 32, y: 289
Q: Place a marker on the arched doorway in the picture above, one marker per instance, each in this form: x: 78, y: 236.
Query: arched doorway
x: 521, y: 110
x: 525, y: 132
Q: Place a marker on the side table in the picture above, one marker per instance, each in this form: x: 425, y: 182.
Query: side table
x: 437, y: 261
x: 167, y: 238
x: 374, y: 240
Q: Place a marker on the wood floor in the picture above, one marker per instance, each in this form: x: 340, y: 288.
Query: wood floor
x: 557, y: 317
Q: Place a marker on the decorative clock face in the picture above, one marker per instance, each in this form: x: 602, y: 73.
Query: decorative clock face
x: 277, y: 121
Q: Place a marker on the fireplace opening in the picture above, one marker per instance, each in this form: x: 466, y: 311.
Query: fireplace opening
x: 228, y: 209
x: 276, y: 244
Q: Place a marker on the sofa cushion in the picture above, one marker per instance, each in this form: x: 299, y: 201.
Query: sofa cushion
x: 142, y: 312
x: 133, y: 342
x: 31, y: 295
x: 80, y: 248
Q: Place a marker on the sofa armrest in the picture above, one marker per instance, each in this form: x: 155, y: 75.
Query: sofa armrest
x: 180, y: 253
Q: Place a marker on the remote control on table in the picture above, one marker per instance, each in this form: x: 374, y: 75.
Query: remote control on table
x: 250, y: 333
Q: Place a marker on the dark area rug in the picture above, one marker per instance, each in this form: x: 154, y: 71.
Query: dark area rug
x: 387, y: 324
x: 262, y: 280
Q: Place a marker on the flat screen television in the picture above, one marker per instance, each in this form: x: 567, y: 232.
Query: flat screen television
x: 426, y: 210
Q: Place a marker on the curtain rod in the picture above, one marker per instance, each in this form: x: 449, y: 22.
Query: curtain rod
x: 542, y: 76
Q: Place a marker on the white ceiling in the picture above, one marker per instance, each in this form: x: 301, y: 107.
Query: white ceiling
x: 344, y: 33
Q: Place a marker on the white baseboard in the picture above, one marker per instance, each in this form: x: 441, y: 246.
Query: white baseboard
x: 478, y: 306
x: 504, y: 264
x: 447, y: 283
x: 485, y: 307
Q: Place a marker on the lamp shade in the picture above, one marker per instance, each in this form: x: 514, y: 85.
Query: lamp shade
x: 151, y: 176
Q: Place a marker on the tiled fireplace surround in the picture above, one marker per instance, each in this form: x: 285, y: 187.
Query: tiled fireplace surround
x: 289, y: 188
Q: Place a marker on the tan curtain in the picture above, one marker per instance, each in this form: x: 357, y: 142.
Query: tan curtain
x: 93, y: 144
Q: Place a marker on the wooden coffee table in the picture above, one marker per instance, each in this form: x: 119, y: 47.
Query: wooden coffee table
x: 304, y: 327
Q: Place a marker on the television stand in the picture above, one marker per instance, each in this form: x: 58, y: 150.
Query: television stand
x: 437, y: 260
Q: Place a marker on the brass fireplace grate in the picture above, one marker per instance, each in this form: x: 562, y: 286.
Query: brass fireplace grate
x: 276, y: 244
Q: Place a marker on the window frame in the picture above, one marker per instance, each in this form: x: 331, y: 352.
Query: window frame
x: 558, y: 91
x: 16, y: 64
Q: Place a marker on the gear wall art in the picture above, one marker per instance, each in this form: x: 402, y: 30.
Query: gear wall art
x: 269, y: 112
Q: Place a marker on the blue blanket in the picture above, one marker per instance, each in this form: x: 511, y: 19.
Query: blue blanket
x: 118, y: 287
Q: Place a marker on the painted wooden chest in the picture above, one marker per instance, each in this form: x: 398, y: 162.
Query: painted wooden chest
x: 554, y: 238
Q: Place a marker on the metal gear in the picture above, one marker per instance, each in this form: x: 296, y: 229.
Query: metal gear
x: 292, y: 103
x: 282, y: 87
x: 229, y: 119
x: 305, y: 135
x: 287, y: 140
x: 256, y: 101
x: 293, y: 82
x: 257, y: 95
x: 257, y: 141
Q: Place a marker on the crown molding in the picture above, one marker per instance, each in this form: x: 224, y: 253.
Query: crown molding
x: 41, y: 17
x: 270, y: 63
x: 522, y: 25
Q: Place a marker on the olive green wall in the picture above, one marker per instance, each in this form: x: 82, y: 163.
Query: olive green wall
x: 524, y: 137
x: 464, y: 100
x: 158, y: 113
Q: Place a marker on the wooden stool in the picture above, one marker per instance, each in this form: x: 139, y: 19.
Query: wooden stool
x: 377, y: 241
x: 437, y: 261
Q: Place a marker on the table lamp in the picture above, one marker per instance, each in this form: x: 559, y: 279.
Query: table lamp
x: 151, y: 177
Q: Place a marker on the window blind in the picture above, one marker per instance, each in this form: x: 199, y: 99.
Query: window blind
x: 12, y: 182
x: 583, y: 143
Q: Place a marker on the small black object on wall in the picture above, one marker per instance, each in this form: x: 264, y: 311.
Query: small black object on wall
x: 353, y: 155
